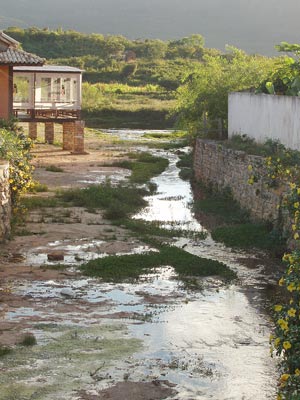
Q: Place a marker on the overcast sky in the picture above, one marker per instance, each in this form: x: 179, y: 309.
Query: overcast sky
x: 253, y: 25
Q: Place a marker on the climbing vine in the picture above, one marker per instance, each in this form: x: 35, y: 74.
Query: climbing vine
x: 283, y: 169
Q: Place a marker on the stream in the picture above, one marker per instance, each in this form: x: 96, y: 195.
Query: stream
x: 207, y: 344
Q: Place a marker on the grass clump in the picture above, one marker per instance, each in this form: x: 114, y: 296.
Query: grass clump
x: 118, y: 202
x: 4, y: 351
x: 54, y: 168
x: 28, y: 340
x: 153, y: 228
x: 143, y: 166
x: 130, y: 267
x: 222, y: 205
x: 234, y: 226
x: 37, y: 187
x: 31, y: 202
x: 248, y: 235
x: 185, y: 164
x: 165, y: 135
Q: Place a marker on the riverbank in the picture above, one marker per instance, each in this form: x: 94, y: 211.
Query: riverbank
x: 154, y: 337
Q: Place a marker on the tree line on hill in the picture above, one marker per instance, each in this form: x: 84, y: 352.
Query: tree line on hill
x: 180, y: 76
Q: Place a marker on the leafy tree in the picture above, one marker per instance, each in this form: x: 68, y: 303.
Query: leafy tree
x: 205, y: 91
x: 285, y: 78
x: 187, y: 47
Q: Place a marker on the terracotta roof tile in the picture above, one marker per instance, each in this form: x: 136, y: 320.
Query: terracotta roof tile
x: 14, y: 56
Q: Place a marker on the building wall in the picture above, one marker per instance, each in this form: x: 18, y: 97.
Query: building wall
x: 264, y: 116
x: 5, y: 204
x: 226, y: 168
x: 5, y: 92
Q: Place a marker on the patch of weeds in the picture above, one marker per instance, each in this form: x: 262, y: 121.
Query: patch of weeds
x: 38, y: 187
x: 4, y: 351
x: 186, y: 174
x: 23, y: 232
x: 249, y: 235
x: 31, y: 203
x: 153, y: 228
x: 270, y: 148
x: 143, y: 166
x: 47, y: 326
x: 236, y: 229
x: 28, y: 340
x: 130, y: 267
x: 222, y: 205
x: 108, y: 230
x: 54, y: 168
x: 110, y: 238
x: 178, y: 144
x: 118, y: 202
x: 55, y: 267
x: 185, y: 164
x: 152, y: 187
x: 165, y: 135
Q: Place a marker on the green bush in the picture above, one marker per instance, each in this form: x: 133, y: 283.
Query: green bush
x: 15, y: 147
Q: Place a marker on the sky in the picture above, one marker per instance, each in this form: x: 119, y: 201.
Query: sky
x: 253, y: 25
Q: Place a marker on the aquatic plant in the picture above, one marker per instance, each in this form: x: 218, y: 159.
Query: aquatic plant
x: 143, y: 166
x: 130, y: 267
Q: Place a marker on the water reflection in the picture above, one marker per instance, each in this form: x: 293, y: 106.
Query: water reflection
x: 213, y: 344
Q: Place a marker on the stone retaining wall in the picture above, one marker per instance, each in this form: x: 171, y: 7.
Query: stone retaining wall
x: 226, y: 168
x: 5, y: 205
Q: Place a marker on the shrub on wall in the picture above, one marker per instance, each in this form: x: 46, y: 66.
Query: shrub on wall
x: 15, y: 147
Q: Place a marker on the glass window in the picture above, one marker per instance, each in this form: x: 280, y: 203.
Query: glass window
x: 46, y: 95
x: 21, y: 89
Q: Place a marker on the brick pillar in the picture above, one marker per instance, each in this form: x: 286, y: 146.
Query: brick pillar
x: 49, y: 132
x: 32, y: 128
x: 68, y: 135
x: 79, y: 137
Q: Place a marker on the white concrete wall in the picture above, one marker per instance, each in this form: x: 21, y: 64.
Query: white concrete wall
x: 264, y: 116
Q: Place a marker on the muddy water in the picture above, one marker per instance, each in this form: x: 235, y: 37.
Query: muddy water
x: 212, y: 344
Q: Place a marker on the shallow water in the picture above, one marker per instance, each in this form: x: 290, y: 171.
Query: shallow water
x: 213, y: 343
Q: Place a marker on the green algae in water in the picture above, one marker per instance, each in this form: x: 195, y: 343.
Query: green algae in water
x: 64, y: 363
